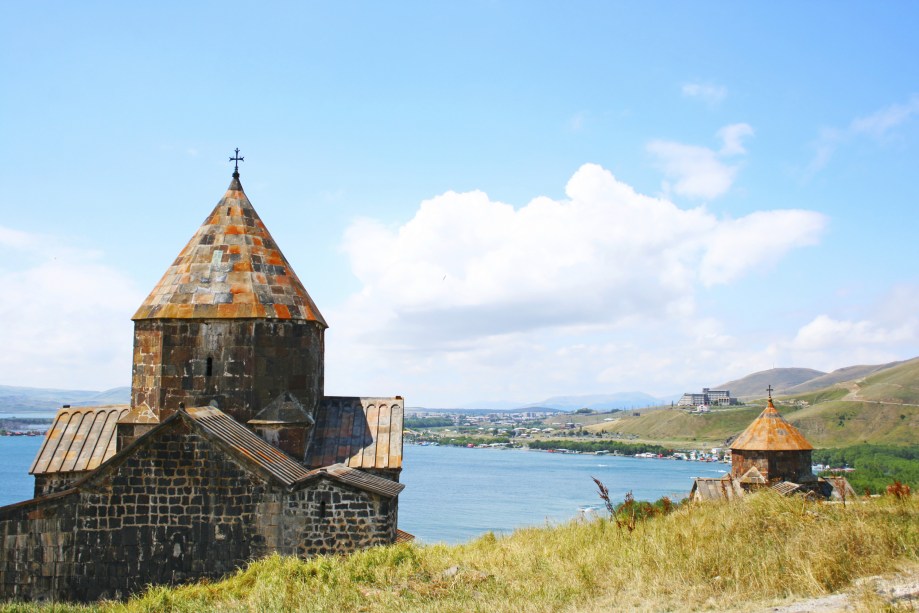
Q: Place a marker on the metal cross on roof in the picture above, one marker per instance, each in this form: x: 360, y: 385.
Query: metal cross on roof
x: 237, y: 159
x: 769, y: 389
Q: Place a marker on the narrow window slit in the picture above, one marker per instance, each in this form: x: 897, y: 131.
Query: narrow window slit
x: 210, y: 367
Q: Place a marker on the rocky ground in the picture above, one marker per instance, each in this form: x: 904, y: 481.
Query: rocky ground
x: 893, y: 593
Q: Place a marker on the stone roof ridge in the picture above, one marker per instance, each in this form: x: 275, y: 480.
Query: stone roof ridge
x: 285, y: 409
x: 771, y: 432
x: 231, y: 268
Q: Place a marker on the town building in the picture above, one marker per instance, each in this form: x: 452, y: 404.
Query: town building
x: 229, y: 450
x: 771, y: 452
x: 708, y: 397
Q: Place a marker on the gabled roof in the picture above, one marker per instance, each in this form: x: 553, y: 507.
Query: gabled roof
x: 277, y: 465
x: 356, y: 478
x: 771, y: 432
x: 723, y: 488
x: 358, y: 432
x: 836, y: 487
x: 244, y: 442
x: 753, y: 477
x: 283, y: 410
x: 84, y: 439
x: 140, y: 415
x: 231, y: 268
x: 79, y: 439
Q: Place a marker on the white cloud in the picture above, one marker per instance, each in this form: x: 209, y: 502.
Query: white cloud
x: 477, y: 294
x: 881, y: 122
x: 824, y: 332
x: 709, y: 93
x: 878, y: 126
x: 732, y: 138
x: 884, y: 332
x: 760, y: 238
x: 699, y: 172
x: 66, y: 315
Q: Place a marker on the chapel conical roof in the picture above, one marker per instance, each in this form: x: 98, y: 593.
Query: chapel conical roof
x: 230, y: 269
x: 771, y: 432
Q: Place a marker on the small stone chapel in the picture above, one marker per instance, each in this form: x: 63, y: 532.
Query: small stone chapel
x: 771, y: 453
x: 229, y: 449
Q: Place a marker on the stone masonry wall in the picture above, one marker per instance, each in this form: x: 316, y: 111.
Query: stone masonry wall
x: 242, y: 364
x: 331, y: 518
x: 792, y: 466
x: 55, y: 482
x: 178, y: 508
x: 36, y: 548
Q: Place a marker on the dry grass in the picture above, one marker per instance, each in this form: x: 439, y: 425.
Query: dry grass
x: 713, y: 556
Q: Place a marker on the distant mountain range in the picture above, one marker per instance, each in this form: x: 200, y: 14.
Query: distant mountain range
x: 597, y: 402
x: 29, y: 399
x: 784, y: 381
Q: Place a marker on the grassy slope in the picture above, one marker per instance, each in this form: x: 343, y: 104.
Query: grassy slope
x: 882, y: 408
x: 840, y: 375
x: 897, y: 384
x: 714, y: 556
x: 676, y: 426
x: 754, y: 385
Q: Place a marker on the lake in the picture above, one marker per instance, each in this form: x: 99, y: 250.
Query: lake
x: 453, y: 494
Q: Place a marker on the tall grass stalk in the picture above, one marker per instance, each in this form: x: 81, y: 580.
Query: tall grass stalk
x: 711, y: 556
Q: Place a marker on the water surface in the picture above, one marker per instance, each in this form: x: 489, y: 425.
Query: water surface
x: 454, y: 494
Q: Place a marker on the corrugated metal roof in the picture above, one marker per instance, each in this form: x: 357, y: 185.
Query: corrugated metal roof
x: 248, y: 444
x: 358, y: 432
x: 244, y: 441
x: 724, y: 488
x: 404, y: 537
x: 771, y: 432
x: 786, y: 487
x: 362, y: 480
x: 80, y: 439
x: 231, y: 268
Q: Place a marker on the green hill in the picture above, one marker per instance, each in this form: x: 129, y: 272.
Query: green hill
x: 841, y: 375
x: 754, y: 386
x: 882, y: 408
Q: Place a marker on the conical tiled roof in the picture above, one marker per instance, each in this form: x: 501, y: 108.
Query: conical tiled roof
x: 231, y: 268
x: 770, y: 432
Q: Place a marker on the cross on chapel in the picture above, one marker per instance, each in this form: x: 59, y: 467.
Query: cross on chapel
x: 237, y: 160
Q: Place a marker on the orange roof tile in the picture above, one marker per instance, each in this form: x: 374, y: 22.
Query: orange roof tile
x: 771, y: 432
x: 231, y: 262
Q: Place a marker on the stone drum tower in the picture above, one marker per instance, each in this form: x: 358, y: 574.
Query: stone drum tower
x: 229, y: 322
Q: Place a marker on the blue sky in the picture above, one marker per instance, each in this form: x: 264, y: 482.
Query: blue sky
x: 487, y: 200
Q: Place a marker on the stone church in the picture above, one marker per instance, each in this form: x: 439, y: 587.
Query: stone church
x: 772, y: 453
x: 229, y: 449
